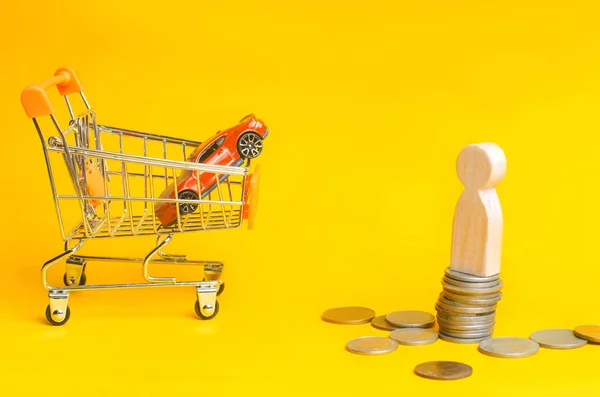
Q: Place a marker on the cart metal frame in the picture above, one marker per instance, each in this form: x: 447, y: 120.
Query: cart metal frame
x: 131, y: 175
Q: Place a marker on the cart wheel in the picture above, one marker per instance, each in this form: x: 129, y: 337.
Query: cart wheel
x: 221, y: 287
x: 187, y: 208
x: 202, y: 316
x: 51, y: 321
x: 250, y: 145
x: 82, y: 280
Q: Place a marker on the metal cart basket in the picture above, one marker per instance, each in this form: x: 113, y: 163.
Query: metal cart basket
x: 106, y: 182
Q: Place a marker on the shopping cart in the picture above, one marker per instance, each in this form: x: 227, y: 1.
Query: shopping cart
x: 106, y: 183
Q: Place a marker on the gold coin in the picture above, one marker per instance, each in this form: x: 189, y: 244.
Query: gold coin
x: 414, y: 336
x: 380, y: 322
x: 351, y: 315
x: 372, y: 345
x: 443, y: 370
x: 509, y: 347
x: 410, y: 319
x: 591, y: 333
x: 557, y: 338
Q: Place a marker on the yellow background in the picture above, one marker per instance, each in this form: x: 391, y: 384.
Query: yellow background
x: 368, y: 104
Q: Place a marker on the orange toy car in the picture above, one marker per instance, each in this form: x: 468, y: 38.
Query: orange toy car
x: 230, y: 148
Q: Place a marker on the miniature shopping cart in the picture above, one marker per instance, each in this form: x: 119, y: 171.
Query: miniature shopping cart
x: 106, y: 183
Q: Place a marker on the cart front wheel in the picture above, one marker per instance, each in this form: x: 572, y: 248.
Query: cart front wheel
x: 82, y: 280
x: 187, y: 208
x: 67, y: 316
x: 250, y: 145
x: 202, y: 316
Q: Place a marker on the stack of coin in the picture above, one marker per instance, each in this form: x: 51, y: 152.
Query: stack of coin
x: 466, y: 308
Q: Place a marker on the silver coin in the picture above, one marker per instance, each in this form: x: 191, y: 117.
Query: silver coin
x: 462, y: 327
x: 591, y: 333
x: 473, y: 300
x: 448, y: 330
x: 447, y: 301
x: 443, y: 370
x: 348, y: 315
x: 410, y: 319
x: 414, y: 336
x: 460, y: 276
x: 557, y: 338
x: 472, y: 291
x: 454, y: 316
x: 508, y: 347
x: 467, y: 334
x: 471, y: 285
x: 460, y: 340
x: 380, y: 322
x: 466, y: 309
x: 372, y: 345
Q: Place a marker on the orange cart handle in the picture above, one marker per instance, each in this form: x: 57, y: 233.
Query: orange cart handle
x: 35, y: 100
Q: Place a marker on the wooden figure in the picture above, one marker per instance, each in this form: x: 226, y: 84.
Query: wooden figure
x: 477, y: 228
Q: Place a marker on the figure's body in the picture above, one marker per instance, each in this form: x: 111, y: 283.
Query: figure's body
x: 477, y: 228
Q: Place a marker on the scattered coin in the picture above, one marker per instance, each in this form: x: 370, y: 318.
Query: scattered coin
x: 557, y: 338
x: 472, y: 291
x: 443, y: 370
x: 351, y: 315
x: 460, y: 276
x: 380, y: 322
x: 410, y: 319
x: 460, y: 340
x: 372, y: 345
x: 470, y: 284
x: 414, y: 336
x: 591, y: 333
x: 509, y: 347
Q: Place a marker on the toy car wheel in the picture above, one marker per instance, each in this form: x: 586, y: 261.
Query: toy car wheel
x: 250, y: 145
x: 187, y: 208
x: 202, y: 316
x: 51, y: 320
x: 82, y: 280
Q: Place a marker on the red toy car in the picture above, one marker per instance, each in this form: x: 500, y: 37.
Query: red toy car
x: 229, y: 147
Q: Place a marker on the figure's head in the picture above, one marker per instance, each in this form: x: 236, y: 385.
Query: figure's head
x: 481, y: 166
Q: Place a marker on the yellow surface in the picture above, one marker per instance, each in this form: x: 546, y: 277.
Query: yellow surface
x: 368, y: 104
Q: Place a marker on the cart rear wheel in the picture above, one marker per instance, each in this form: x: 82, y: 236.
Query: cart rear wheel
x: 221, y: 287
x: 187, y: 208
x: 67, y: 316
x: 202, y: 316
x: 250, y: 145
x: 82, y: 280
